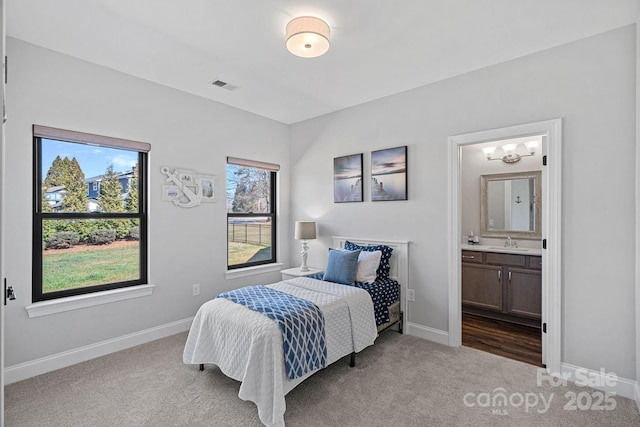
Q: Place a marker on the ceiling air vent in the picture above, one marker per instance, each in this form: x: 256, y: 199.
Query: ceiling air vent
x: 225, y: 85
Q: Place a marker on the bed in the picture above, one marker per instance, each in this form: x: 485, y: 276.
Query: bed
x: 248, y: 346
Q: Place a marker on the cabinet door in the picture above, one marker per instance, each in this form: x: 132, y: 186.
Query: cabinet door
x: 482, y: 286
x: 524, y: 293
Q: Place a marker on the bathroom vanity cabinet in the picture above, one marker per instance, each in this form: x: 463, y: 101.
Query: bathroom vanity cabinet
x: 505, y: 286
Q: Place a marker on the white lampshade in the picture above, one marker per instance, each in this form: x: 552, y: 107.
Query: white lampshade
x: 305, y: 230
x: 531, y: 146
x: 307, y: 37
x: 509, y: 148
x: 488, y: 151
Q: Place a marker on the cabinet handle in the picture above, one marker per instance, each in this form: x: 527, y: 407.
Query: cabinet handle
x: 469, y: 256
x: 509, y: 276
x: 499, y: 274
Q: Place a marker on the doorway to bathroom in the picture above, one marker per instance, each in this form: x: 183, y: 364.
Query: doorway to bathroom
x: 518, y: 258
x: 501, y: 247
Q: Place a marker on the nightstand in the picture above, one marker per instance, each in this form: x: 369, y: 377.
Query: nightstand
x: 292, y: 273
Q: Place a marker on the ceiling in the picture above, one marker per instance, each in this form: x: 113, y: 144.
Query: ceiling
x: 378, y: 47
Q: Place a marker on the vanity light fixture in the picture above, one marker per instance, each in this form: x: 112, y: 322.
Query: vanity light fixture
x: 509, y: 152
x: 307, y: 37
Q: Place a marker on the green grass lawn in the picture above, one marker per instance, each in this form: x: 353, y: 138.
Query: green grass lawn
x: 96, y: 266
x: 239, y: 253
x: 102, y: 264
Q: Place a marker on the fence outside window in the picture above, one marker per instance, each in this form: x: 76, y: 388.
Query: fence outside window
x: 256, y: 233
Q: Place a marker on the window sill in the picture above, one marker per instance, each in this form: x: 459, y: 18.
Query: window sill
x: 250, y: 271
x: 45, y: 308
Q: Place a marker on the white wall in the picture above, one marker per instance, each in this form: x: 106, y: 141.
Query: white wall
x: 590, y: 84
x: 186, y: 246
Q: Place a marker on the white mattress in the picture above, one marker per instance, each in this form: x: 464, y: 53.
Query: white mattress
x: 247, y: 346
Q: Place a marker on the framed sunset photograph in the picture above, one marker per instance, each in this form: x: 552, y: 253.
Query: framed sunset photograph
x: 347, y: 179
x: 389, y: 174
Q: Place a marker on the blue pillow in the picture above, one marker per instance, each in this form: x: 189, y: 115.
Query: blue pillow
x: 385, y: 266
x: 341, y: 267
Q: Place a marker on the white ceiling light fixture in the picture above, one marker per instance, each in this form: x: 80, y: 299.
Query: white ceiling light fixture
x: 509, y: 152
x: 307, y: 37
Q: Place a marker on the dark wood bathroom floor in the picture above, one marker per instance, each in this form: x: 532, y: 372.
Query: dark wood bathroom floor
x: 523, y: 343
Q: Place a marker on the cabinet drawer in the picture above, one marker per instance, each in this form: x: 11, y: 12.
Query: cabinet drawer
x: 535, y: 262
x: 472, y: 256
x: 506, y: 259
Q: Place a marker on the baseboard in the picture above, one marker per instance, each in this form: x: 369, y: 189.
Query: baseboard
x: 431, y: 334
x: 601, y: 381
x: 46, y: 364
x: 637, y: 396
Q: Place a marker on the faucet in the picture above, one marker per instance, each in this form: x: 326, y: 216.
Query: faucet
x: 510, y: 243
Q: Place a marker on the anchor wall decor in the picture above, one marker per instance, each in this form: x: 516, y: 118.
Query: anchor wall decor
x: 187, y: 188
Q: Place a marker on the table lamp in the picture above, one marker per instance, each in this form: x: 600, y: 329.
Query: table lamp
x: 305, y: 230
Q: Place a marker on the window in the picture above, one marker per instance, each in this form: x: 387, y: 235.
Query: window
x: 83, y: 242
x: 251, y: 213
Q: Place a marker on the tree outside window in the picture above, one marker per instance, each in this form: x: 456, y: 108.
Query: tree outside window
x: 87, y: 240
x: 250, y: 216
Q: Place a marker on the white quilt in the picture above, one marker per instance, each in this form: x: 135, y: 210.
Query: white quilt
x: 247, y: 346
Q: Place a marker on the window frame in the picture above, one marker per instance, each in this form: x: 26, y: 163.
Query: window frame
x: 272, y: 169
x: 43, y: 132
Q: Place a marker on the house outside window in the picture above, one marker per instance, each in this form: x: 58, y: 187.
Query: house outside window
x: 87, y: 241
x: 251, y: 213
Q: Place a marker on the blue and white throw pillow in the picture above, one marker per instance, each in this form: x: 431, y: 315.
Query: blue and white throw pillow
x: 341, y: 267
x: 385, y: 265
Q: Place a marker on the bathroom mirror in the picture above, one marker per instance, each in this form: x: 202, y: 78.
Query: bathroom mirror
x: 511, y: 205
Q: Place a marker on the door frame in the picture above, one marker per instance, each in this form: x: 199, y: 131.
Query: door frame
x: 3, y: 75
x: 551, y: 132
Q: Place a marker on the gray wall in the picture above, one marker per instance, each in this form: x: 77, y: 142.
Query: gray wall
x: 186, y: 246
x: 590, y: 84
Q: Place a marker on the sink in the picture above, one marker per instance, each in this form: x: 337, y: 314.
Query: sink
x: 504, y: 248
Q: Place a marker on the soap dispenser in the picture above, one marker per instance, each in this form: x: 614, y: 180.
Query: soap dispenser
x: 470, y: 238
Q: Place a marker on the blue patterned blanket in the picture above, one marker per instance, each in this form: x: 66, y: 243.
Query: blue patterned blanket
x: 300, y: 321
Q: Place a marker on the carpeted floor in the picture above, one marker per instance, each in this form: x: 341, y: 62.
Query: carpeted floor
x: 400, y: 381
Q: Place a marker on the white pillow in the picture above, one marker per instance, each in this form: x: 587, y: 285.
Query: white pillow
x: 368, y: 262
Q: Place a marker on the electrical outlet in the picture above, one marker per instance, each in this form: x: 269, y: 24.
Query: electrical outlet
x: 196, y: 289
x: 411, y: 295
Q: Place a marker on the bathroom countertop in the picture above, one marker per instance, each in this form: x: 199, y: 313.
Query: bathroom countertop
x: 500, y: 249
